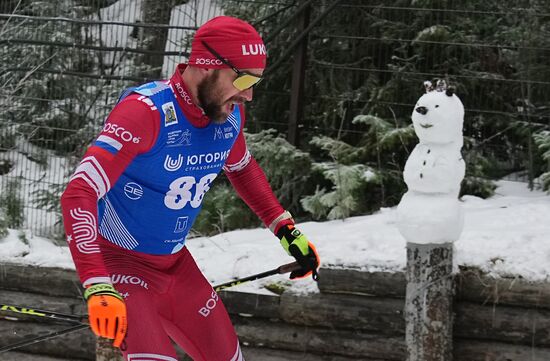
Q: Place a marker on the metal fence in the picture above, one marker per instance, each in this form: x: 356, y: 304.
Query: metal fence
x: 63, y: 64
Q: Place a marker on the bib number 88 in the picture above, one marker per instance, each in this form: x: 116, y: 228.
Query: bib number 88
x: 180, y: 192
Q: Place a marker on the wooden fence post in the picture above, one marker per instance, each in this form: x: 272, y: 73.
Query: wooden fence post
x: 430, y: 218
x: 429, y: 299
x: 104, y: 351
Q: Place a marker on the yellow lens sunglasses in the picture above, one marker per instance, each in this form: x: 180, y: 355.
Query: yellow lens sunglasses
x: 244, y: 80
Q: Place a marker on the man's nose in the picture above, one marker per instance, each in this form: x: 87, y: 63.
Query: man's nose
x: 422, y: 110
x: 247, y: 94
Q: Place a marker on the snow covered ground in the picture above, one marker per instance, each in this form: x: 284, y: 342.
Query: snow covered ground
x: 506, y: 235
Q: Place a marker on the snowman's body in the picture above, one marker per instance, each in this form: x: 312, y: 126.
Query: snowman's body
x: 435, y: 168
x: 430, y: 211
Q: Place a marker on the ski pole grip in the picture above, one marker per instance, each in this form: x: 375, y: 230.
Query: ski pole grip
x: 289, y: 267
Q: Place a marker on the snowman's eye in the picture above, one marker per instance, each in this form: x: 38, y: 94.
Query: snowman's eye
x: 437, y: 106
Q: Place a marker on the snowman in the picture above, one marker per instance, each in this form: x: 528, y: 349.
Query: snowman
x: 430, y: 211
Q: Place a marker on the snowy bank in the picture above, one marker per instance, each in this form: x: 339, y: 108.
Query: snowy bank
x: 506, y: 235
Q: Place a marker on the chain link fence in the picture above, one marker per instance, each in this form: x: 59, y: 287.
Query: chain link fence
x: 63, y: 64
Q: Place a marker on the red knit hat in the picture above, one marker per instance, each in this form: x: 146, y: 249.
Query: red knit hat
x: 232, y: 38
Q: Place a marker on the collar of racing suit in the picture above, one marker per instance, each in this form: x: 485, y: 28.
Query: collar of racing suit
x: 192, y: 111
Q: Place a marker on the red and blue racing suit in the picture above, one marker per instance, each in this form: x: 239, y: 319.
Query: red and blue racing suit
x: 131, y: 202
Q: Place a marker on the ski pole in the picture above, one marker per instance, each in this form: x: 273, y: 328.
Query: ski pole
x: 41, y: 313
x: 76, y: 319
x: 79, y: 320
x: 44, y: 337
x: 289, y: 267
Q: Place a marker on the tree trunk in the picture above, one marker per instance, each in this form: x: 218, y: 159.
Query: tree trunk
x: 154, y: 39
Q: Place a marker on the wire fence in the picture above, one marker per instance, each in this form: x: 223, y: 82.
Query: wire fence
x: 63, y: 64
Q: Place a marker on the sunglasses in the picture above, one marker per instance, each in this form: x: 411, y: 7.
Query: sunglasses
x: 244, y: 80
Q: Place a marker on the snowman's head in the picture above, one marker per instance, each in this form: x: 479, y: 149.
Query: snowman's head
x: 438, y: 115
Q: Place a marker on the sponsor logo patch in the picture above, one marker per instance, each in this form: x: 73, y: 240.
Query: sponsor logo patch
x: 173, y: 165
x: 170, y: 116
x: 207, y: 61
x: 181, y: 224
x: 129, y: 280
x: 210, y: 305
x: 179, y: 138
x: 253, y: 49
x: 208, y: 158
x: 119, y: 132
x: 228, y: 132
x: 133, y: 191
x: 173, y: 240
x: 183, y: 94
x: 218, y: 133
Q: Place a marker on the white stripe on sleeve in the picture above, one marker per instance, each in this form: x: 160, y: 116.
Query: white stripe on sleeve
x: 91, y: 171
x: 112, y: 142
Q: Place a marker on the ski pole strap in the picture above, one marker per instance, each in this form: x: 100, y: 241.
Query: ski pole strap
x: 102, y: 289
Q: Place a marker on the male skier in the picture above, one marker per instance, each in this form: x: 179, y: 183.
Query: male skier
x: 134, y: 196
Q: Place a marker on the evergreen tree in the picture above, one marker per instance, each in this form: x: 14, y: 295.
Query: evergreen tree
x: 12, y: 212
x: 366, y: 66
x: 542, y: 139
x: 51, y: 108
x: 55, y: 97
x: 288, y: 170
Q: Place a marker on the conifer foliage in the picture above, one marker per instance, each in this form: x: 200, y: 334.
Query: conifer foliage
x: 366, y: 63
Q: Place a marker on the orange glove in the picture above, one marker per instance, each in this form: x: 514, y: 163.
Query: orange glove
x: 107, y: 312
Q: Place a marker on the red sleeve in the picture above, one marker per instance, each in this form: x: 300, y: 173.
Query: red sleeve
x: 250, y: 182
x: 131, y: 129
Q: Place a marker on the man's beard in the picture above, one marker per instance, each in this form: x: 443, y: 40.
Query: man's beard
x: 209, y: 98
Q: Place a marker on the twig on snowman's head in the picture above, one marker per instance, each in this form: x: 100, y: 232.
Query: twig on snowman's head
x: 428, y: 86
x: 450, y: 91
x: 441, y: 85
